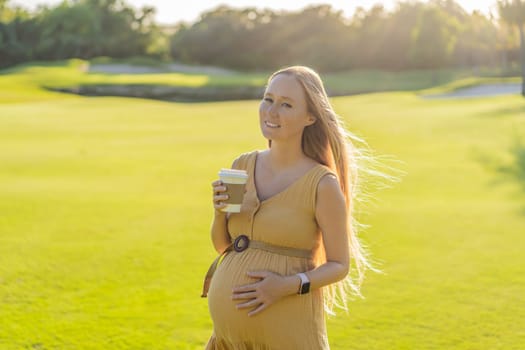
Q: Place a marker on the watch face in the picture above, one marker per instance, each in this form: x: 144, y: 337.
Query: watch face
x: 305, y: 288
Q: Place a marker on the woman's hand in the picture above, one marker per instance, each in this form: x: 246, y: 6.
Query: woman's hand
x: 270, y: 288
x: 219, y: 196
x: 219, y: 228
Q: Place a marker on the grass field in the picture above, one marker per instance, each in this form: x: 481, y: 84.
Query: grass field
x: 105, y: 209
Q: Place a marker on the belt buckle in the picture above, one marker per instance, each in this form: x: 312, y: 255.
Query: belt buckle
x: 241, y: 243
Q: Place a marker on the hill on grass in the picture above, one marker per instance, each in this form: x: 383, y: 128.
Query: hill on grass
x: 184, y: 83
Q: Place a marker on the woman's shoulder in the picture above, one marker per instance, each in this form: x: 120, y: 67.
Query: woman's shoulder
x: 328, y: 182
x: 325, y: 179
x: 242, y: 160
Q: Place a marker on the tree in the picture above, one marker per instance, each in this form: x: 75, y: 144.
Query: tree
x: 513, y: 12
x: 18, y: 35
x: 433, y: 39
x: 477, y: 43
x: 262, y: 39
x: 396, y: 37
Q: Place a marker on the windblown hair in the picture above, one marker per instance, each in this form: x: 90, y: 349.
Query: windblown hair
x: 328, y: 142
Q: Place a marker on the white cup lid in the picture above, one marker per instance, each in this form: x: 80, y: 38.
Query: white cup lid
x: 234, y: 173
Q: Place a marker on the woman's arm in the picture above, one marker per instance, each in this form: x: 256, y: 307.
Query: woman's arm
x: 219, y: 231
x: 331, y: 215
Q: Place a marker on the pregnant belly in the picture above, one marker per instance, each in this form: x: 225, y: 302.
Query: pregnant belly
x: 235, y: 324
x: 232, y: 272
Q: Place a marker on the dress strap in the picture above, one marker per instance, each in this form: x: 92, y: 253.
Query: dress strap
x: 313, y: 182
x: 245, y: 160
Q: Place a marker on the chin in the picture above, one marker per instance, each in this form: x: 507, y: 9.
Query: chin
x: 265, y: 133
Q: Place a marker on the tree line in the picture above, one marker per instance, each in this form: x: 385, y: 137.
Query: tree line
x: 76, y: 29
x: 414, y: 35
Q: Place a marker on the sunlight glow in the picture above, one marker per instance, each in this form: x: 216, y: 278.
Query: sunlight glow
x: 170, y: 12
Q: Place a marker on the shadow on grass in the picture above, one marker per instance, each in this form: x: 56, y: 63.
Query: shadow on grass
x: 504, y: 112
x: 510, y: 168
x: 167, y: 93
x: 516, y: 169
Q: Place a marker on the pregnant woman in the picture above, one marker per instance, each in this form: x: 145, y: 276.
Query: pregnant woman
x: 291, y: 246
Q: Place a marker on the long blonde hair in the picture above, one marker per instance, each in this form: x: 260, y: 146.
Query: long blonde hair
x: 328, y: 142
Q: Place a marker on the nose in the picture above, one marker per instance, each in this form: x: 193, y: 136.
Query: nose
x: 272, y: 110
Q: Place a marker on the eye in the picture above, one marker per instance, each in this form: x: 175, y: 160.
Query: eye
x: 267, y: 99
x: 287, y: 105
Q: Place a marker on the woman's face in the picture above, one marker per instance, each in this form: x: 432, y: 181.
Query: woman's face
x: 283, y: 113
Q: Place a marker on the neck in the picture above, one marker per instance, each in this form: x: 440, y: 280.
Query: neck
x: 282, y: 156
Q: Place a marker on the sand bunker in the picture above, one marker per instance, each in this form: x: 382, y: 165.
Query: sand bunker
x: 482, y: 91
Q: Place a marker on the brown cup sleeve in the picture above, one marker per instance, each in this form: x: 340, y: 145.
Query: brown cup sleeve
x: 235, y: 193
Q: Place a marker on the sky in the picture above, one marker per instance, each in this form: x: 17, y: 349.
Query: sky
x: 173, y: 11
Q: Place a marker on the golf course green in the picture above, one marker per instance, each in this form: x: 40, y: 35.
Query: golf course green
x: 105, y: 209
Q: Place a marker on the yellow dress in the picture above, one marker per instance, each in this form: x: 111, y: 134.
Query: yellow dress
x: 285, y: 219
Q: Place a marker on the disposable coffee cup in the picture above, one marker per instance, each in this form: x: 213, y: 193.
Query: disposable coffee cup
x: 235, y: 182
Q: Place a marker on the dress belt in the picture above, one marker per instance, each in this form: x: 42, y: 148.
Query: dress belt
x: 240, y: 244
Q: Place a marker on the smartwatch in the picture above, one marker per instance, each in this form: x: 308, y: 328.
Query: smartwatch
x: 305, y: 283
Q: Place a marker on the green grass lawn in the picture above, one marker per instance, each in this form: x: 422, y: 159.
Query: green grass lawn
x: 105, y: 209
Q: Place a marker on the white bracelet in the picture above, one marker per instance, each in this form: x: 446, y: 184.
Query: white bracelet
x: 305, y: 283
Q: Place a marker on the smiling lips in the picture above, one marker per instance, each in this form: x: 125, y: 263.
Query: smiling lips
x: 271, y: 125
